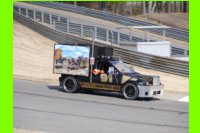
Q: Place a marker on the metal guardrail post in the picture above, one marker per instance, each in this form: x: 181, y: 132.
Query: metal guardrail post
x: 107, y: 35
x: 68, y: 21
x: 54, y: 24
x: 26, y: 12
x: 81, y: 30
x: 95, y: 32
x: 130, y: 35
x: 146, y: 37
x: 111, y: 38
x: 33, y: 14
x: 50, y: 18
x: 42, y: 15
x: 20, y: 10
x: 185, y: 52
x: 118, y: 38
x: 164, y: 34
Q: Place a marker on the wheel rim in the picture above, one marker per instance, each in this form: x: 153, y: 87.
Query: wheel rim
x: 130, y: 91
x: 69, y: 84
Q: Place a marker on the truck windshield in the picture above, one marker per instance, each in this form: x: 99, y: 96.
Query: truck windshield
x: 122, y: 67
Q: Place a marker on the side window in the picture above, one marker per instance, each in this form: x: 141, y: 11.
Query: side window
x: 104, y: 72
x: 97, y: 68
x: 100, y: 67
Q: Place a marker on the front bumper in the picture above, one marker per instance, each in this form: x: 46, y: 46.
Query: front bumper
x: 150, y: 91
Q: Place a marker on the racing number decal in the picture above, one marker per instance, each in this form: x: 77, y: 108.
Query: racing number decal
x: 104, y: 77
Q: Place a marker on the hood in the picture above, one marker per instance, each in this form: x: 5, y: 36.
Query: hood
x: 152, y: 79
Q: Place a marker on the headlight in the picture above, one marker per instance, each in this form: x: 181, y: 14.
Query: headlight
x: 143, y: 83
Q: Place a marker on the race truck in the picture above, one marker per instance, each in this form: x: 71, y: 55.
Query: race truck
x: 95, y: 68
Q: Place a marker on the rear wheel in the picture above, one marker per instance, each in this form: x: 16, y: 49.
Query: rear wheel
x: 130, y: 91
x: 70, y: 84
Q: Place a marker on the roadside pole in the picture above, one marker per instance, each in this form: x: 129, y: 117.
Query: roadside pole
x: 92, y: 58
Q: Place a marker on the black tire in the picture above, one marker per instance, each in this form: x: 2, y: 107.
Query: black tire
x: 70, y: 84
x: 130, y: 91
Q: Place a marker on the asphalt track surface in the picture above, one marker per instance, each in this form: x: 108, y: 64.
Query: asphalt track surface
x: 45, y: 107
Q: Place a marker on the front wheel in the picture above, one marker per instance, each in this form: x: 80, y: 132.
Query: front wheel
x: 70, y: 84
x: 130, y: 91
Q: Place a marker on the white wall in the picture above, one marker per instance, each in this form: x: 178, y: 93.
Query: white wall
x: 160, y: 48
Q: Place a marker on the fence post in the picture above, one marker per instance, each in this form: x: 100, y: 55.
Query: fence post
x: 50, y: 18
x: 20, y: 10
x: 164, y: 34
x: 42, y: 15
x: 33, y: 14
x: 54, y: 25
x: 95, y: 32
x: 130, y: 34
x: 146, y: 36
x: 111, y: 38
x: 81, y: 30
x: 118, y: 38
x: 185, y: 52
x: 68, y: 21
x: 26, y: 12
x: 107, y: 35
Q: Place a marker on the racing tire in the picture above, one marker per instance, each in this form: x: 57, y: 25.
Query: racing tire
x: 130, y: 91
x: 70, y: 84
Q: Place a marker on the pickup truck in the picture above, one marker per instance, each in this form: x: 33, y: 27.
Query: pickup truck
x: 102, y: 72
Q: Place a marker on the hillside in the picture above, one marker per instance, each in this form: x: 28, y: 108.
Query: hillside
x: 177, y: 20
x: 33, y: 55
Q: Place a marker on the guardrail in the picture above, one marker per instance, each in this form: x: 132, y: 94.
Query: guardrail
x: 64, y: 24
x: 171, y: 32
x: 132, y: 57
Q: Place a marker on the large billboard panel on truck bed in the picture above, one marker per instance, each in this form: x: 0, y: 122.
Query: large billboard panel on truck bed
x: 71, y: 59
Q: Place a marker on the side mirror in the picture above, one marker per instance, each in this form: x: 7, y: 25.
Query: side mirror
x: 111, y: 70
x: 115, y: 72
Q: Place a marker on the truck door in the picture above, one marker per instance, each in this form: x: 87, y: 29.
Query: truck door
x: 104, y: 72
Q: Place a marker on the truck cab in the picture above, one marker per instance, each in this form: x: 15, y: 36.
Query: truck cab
x: 106, y: 73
